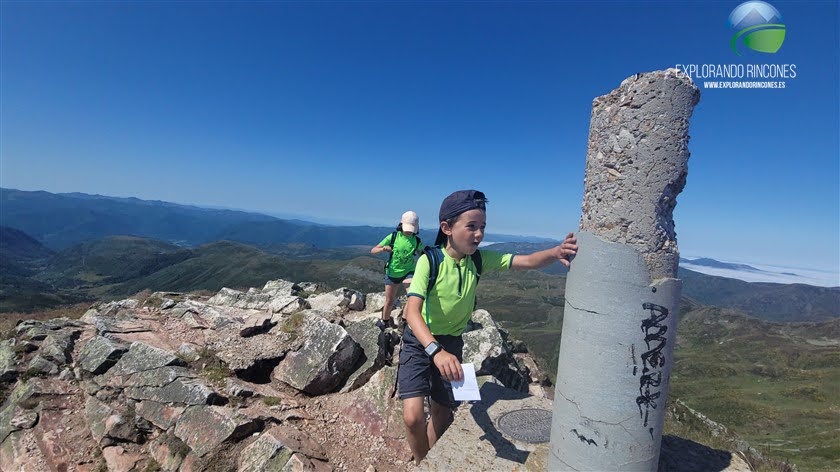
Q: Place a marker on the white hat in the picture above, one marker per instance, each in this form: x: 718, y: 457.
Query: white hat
x: 410, y: 222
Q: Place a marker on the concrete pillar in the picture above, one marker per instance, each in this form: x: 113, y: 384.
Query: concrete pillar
x: 622, y: 294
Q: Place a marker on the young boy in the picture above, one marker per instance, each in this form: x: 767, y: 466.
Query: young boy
x: 432, y: 345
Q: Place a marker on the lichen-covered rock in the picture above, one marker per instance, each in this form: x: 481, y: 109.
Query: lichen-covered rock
x: 326, y: 358
x: 204, y: 428
x: 100, y: 354
x: 21, y: 392
x: 374, y: 302
x: 233, y: 298
x: 376, y: 408
x: 330, y: 301
x: 116, y: 317
x: 57, y: 346
x: 141, y: 357
x: 205, y: 316
x: 168, y: 451
x: 275, y: 447
x: 310, y: 287
x: 376, y: 345
x: 106, y: 422
x: 485, y: 349
x: 96, y: 413
x: 183, y: 391
x: 40, y: 366
x: 161, y: 415
x: 266, y: 453
x: 188, y: 352
x: 8, y: 371
x: 36, y: 330
x: 337, y: 299
x: 357, y: 301
x: 157, y: 377
x: 287, y: 304
x: 256, y: 324
x: 280, y: 288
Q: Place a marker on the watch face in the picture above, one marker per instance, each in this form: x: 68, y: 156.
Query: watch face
x: 432, y: 348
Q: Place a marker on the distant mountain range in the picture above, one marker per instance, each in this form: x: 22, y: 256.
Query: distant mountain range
x: 59, y: 221
x: 32, y: 276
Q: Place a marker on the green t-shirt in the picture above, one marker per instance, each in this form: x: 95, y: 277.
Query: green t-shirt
x: 448, y: 308
x: 402, y: 261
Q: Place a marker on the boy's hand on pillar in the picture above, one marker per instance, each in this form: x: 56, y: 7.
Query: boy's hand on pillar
x: 567, y: 249
x: 448, y: 365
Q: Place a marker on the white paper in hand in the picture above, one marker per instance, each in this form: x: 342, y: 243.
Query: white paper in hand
x: 467, y: 389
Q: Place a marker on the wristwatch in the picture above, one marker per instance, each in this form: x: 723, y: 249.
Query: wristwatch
x: 433, y: 348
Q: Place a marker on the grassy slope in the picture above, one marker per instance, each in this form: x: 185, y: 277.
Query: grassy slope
x: 773, y: 384
x: 228, y: 264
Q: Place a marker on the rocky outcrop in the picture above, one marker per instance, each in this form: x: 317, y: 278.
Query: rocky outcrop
x: 338, y: 299
x: 490, y: 353
x: 187, y: 383
x: 182, y: 383
x: 324, y: 361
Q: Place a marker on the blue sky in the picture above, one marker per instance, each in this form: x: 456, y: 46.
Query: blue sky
x: 357, y: 111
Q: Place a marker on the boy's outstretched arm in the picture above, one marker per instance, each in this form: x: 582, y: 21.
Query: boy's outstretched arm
x: 538, y: 260
x: 448, y: 365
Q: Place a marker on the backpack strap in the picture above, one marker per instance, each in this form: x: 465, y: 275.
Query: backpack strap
x: 417, y: 246
x: 476, y: 258
x: 391, y: 252
x: 435, y: 256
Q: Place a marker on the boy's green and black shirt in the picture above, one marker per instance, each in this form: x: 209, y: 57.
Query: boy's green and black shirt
x: 402, y: 254
x: 449, y: 306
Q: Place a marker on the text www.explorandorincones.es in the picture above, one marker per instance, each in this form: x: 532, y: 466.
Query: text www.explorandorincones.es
x: 742, y: 85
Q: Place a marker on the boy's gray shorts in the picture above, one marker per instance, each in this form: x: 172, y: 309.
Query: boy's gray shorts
x: 419, y: 377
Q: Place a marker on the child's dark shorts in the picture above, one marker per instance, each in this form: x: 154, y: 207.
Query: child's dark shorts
x: 419, y: 377
x: 397, y: 280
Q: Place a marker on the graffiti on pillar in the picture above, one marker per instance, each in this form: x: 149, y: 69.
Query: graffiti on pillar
x: 653, y: 359
x: 583, y: 438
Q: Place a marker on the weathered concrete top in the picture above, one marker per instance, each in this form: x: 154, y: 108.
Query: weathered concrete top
x: 636, y: 164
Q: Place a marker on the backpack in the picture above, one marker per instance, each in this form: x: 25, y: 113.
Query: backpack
x: 391, y: 254
x: 435, y: 255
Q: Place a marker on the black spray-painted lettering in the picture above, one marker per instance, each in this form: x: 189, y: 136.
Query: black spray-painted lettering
x: 583, y: 438
x: 652, y: 360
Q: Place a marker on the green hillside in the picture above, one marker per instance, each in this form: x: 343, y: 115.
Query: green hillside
x: 235, y: 265
x: 21, y: 257
x: 110, y: 260
x: 768, y: 301
x: 776, y: 385
x: 17, y: 247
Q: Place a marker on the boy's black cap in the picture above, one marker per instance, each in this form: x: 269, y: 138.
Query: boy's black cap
x: 461, y: 201
x: 457, y: 203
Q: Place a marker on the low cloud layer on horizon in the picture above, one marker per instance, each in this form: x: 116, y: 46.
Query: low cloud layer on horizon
x: 773, y: 274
